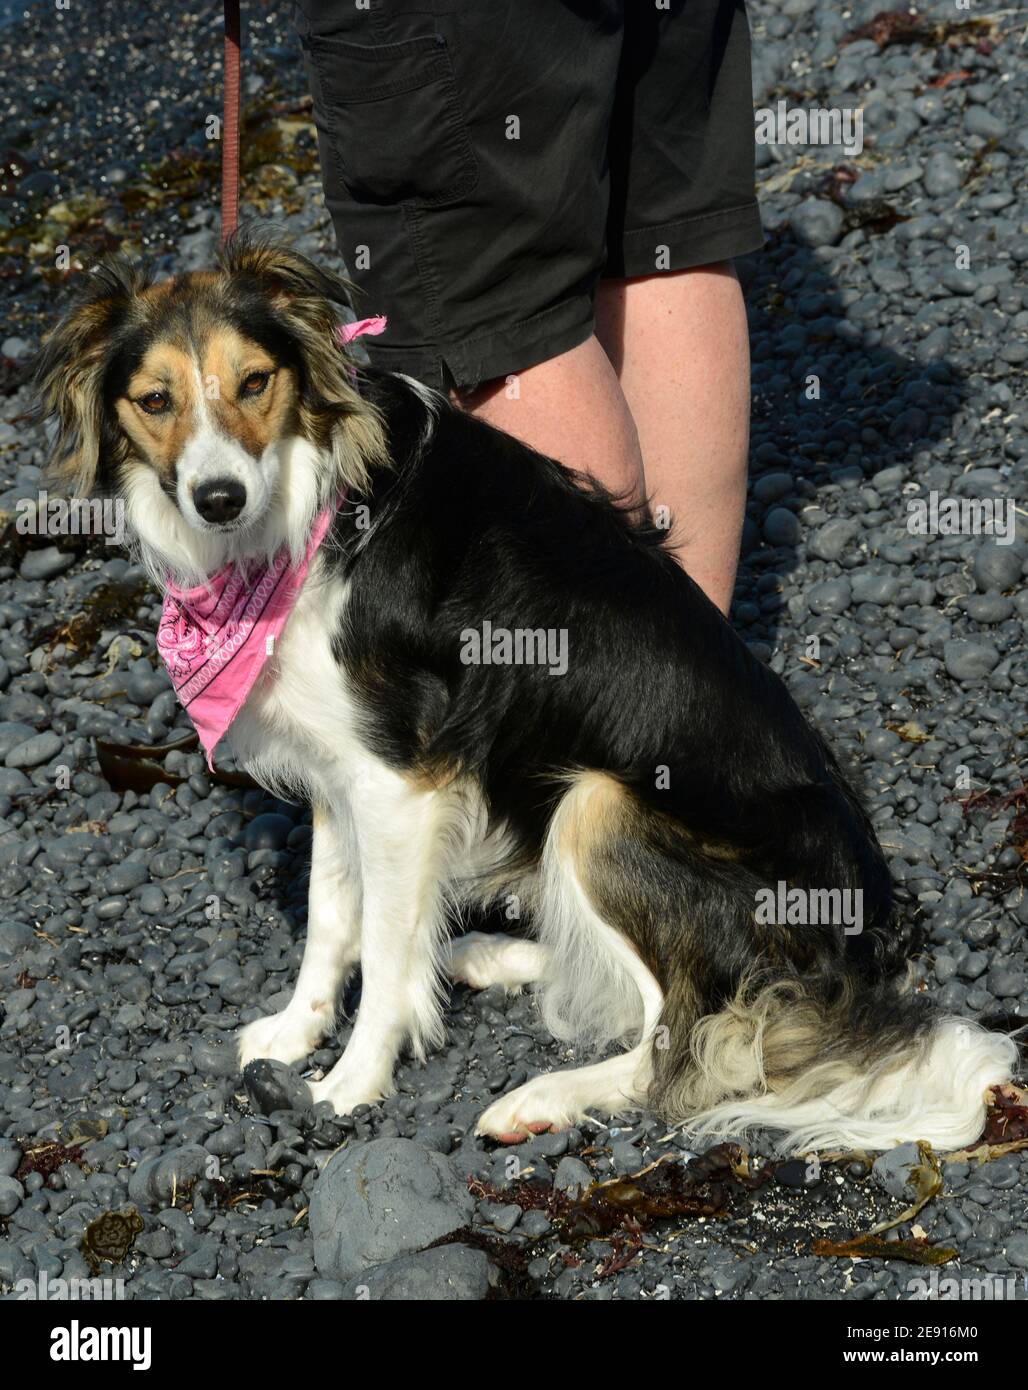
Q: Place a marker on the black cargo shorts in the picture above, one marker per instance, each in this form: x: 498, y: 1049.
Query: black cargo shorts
x: 486, y: 162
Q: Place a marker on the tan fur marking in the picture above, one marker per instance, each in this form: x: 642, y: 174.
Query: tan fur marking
x: 161, y: 438
x: 256, y: 421
x: 155, y: 295
x: 434, y: 778
x: 596, y: 802
x: 711, y: 849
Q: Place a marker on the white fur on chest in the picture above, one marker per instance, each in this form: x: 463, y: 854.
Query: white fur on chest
x: 298, y: 731
x: 299, y: 735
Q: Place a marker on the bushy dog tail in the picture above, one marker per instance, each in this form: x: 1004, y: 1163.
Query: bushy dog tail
x: 868, y: 1068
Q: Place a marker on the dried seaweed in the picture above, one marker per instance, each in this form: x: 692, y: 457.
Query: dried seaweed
x: 909, y: 731
x: 128, y: 767
x: 926, y: 1179
x: 278, y: 146
x: 719, y: 1184
x: 260, y: 1185
x: 946, y: 79
x: 136, y: 766
x: 992, y: 803
x: 874, y: 216
x: 115, y: 603
x: 1006, y: 1121
x: 623, y: 1251
x: 890, y: 27
x: 84, y: 1130
x: 1006, y: 1128
x: 530, y: 1194
x: 46, y: 1157
x: 664, y: 1191
x: 986, y: 1153
x: 1006, y: 1132
x: 621, y: 1210
x: 870, y: 1246
x: 110, y: 1237
x: 995, y: 802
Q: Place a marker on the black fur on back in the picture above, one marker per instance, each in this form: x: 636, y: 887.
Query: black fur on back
x: 473, y: 525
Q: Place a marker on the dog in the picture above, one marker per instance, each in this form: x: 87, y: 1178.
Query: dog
x: 497, y: 685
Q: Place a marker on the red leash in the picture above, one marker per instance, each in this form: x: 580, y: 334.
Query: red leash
x: 230, y: 124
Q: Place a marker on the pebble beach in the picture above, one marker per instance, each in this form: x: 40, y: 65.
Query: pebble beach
x: 148, y: 908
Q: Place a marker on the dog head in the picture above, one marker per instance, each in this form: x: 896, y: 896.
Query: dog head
x: 218, y: 405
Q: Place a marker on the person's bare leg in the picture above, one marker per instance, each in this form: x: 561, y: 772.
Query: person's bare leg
x: 572, y: 409
x: 679, y: 345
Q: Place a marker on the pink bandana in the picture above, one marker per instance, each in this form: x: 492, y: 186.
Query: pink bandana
x: 216, y: 638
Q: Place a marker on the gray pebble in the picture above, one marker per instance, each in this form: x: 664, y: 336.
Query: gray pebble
x: 996, y: 566
x: 504, y: 1218
x: 830, y: 596
x: 817, y: 221
x: 379, y: 1200
x: 942, y: 174
x: 782, y: 527
x: 132, y: 873
x: 451, y: 1273
x: 572, y: 1176
x: 1016, y: 1250
x: 830, y: 540
x: 46, y: 563
x: 978, y: 121
x: 11, y: 1194
x: 34, y: 752
x: 969, y: 661
x: 891, y: 1170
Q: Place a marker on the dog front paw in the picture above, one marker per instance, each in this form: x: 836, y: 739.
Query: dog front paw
x: 279, y: 1038
x: 344, y: 1095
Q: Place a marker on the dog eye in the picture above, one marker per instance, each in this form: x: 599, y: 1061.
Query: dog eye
x: 255, y: 384
x: 154, y: 402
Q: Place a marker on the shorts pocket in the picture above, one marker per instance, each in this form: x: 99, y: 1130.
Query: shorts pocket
x: 392, y: 119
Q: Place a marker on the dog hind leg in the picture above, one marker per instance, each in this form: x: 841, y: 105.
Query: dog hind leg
x: 596, y: 985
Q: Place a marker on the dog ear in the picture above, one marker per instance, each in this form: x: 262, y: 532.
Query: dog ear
x: 288, y: 277
x: 69, y: 372
x: 305, y: 297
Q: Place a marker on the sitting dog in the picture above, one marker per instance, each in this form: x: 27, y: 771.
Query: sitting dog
x: 490, y: 680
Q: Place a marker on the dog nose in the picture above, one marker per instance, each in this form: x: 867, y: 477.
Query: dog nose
x: 220, y: 501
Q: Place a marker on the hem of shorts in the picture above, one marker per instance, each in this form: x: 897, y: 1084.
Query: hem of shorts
x: 694, y: 241
x: 501, y: 352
